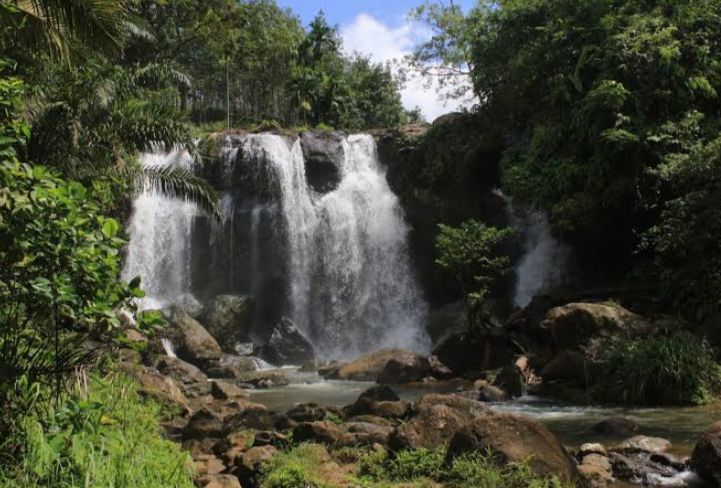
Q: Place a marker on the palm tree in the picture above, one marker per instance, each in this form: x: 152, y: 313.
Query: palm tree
x: 92, y: 121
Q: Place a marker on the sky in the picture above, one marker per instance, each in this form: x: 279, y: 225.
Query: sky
x: 380, y: 29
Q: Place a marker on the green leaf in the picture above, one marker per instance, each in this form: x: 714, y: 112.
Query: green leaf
x: 110, y: 228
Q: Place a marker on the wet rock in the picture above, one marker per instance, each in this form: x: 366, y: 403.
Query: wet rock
x: 244, y: 349
x: 568, y: 366
x: 287, y: 345
x: 515, y: 438
x: 186, y: 304
x: 193, y: 342
x: 271, y: 438
x: 218, y: 481
x: 371, y: 419
x: 512, y: 380
x: 706, y: 457
x: 204, y: 424
x: 437, y: 419
x: 369, y: 367
x: 615, y: 427
x: 489, y: 393
x: 592, y: 448
x: 179, y: 370
x: 438, y: 370
x: 264, y: 379
x: 307, y: 412
x: 323, y: 154
x: 368, y: 433
x: 596, y: 469
x: 223, y: 390
x: 380, y: 393
x: 405, y: 369
x: 228, y: 318
x: 388, y: 410
x: 574, y: 325
x: 198, y: 447
x: 642, y: 443
x: 232, y: 445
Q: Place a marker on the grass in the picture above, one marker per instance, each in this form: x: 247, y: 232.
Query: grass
x: 676, y: 368
x: 311, y: 466
x: 100, y: 435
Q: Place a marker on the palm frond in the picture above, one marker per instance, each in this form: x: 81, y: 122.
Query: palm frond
x: 175, y: 182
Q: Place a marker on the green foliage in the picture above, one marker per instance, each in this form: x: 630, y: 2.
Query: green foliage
x: 298, y: 468
x: 101, y: 434
x: 471, y: 254
x: 676, y: 368
x: 424, y: 467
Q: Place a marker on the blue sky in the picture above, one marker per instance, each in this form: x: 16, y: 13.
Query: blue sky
x: 380, y: 29
x: 390, y: 12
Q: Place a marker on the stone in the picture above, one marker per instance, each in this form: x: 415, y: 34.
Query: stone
x: 233, y: 444
x: 368, y: 433
x: 322, y: 432
x: 405, y: 369
x: 307, y: 412
x: 706, y: 457
x: 489, y: 393
x: 250, y: 463
x: 596, y: 469
x: 193, y: 342
x: 223, y: 390
x: 264, y: 379
x: 592, y: 448
x: 251, y: 416
x: 621, y: 427
x: 218, y: 481
x: 271, y: 438
x: 135, y: 336
x: 208, y: 464
x: 186, y: 304
x: 369, y: 367
x: 568, y: 366
x: 380, y: 393
x: 228, y: 318
x: 515, y: 438
x: 323, y: 154
x: 181, y: 371
x: 160, y: 387
x: 574, y: 325
x: 438, y: 370
x: 512, y: 381
x: 204, y: 424
x: 371, y: 419
x: 642, y: 443
x: 287, y: 345
x: 437, y: 419
x: 388, y: 410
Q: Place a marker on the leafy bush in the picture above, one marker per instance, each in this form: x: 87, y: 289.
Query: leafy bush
x: 671, y: 369
x: 101, y: 434
x: 298, y: 468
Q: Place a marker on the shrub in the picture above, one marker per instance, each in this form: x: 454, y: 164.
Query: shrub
x: 298, y: 468
x: 102, y: 434
x: 676, y: 368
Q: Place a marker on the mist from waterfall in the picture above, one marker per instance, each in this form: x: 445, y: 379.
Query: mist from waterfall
x: 352, y: 289
x: 545, y: 259
x: 160, y: 237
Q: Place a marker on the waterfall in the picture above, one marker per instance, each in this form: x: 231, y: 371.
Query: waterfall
x: 352, y: 289
x: 544, y: 261
x: 160, y: 230
x: 336, y: 263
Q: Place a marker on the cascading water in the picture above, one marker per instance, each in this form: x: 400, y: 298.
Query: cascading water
x: 544, y: 262
x: 352, y: 289
x: 160, y: 230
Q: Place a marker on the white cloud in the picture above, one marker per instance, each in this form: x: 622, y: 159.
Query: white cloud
x: 369, y: 36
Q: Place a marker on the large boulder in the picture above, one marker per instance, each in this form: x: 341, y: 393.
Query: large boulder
x: 193, y: 342
x: 577, y: 325
x: 405, y: 369
x: 179, y: 370
x: 706, y: 458
x: 229, y: 318
x: 437, y: 419
x: 155, y: 385
x: 370, y: 367
x: 287, y: 345
x: 619, y: 427
x: 515, y: 438
x: 323, y: 154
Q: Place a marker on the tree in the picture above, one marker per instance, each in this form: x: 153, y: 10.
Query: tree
x: 471, y: 254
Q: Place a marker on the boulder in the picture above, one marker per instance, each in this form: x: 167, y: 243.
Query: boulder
x: 186, y: 304
x: 405, y: 369
x: 250, y: 416
x: 369, y: 367
x: 489, y: 393
x: 596, y: 470
x: 232, y: 445
x: 511, y: 380
x: 515, y: 438
x: 569, y: 366
x: 193, y: 343
x: 437, y: 419
x: 218, y: 481
x: 179, y: 370
x: 158, y: 386
x: 575, y: 325
x: 204, y: 424
x: 251, y: 463
x: 322, y: 432
x: 222, y: 390
x: 706, y: 458
x: 387, y: 410
x: 368, y: 433
x: 323, y: 154
x: 208, y: 464
x: 380, y: 393
x: 287, y: 345
x: 263, y: 379
x: 620, y: 427
x: 642, y: 443
x: 307, y: 412
x: 271, y: 438
x: 228, y: 318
